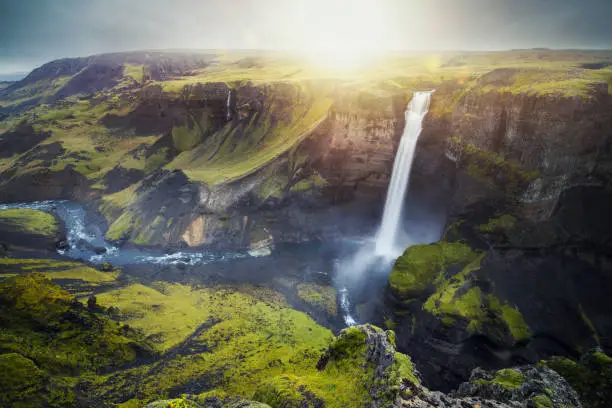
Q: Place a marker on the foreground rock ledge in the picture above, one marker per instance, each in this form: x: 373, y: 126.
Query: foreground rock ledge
x: 392, y: 382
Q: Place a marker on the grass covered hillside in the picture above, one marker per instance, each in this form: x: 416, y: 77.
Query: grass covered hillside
x: 94, y: 111
x: 131, y: 343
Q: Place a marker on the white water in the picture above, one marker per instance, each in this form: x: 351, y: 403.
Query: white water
x: 346, y: 305
x: 386, y: 240
x: 229, y: 102
x: 83, y: 236
x: 373, y: 257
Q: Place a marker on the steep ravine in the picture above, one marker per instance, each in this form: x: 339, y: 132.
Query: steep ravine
x: 524, y: 180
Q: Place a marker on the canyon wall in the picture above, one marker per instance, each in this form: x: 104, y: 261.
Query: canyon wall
x: 527, y: 184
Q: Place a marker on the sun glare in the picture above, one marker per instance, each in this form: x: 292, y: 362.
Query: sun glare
x: 342, y: 35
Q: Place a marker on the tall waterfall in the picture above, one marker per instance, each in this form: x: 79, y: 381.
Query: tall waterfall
x: 391, y: 221
x: 228, y: 114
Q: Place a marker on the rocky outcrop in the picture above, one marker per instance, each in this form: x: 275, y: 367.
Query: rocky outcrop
x: 521, y: 387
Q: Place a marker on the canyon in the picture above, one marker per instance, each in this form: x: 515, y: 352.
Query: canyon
x: 507, y: 213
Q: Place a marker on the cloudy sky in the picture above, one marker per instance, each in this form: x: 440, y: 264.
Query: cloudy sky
x: 35, y: 31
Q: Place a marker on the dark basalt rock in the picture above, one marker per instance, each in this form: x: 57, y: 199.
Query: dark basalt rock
x: 99, y: 250
x: 62, y: 245
x: 119, y: 178
x: 22, y: 139
x: 522, y: 385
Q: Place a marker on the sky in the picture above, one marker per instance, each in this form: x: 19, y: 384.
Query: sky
x: 33, y: 32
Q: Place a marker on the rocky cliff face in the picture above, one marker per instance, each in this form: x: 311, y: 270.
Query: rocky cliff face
x: 356, y: 149
x: 525, y: 177
x: 390, y: 382
x: 265, y: 164
x: 564, y: 142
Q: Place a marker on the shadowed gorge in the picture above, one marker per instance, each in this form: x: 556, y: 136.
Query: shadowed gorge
x: 267, y: 229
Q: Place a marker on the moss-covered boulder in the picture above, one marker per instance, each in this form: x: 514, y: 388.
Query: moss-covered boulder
x: 174, y: 403
x: 461, y: 298
x: 591, y: 377
x: 320, y: 296
x: 369, y: 354
x: 416, y: 270
x: 528, y: 386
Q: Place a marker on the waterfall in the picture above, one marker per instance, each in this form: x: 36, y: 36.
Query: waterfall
x: 376, y: 256
x: 391, y: 221
x: 229, y: 102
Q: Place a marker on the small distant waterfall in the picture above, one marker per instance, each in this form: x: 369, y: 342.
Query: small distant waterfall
x: 229, y: 103
x: 391, y: 221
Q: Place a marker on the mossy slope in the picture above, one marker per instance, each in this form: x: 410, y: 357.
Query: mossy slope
x: 30, y: 222
x: 48, y: 337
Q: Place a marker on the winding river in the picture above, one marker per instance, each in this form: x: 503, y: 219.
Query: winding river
x: 86, y: 240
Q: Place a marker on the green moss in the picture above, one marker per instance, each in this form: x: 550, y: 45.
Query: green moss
x: 323, y: 297
x: 20, y: 378
x: 113, y: 205
x: 146, y: 234
x: 174, y: 403
x: 417, y: 269
x: 542, y: 401
x: 185, y: 138
x: 447, y: 301
x: 391, y: 337
x: 246, y: 404
x: 588, y: 323
x: 591, y: 377
x: 287, y: 391
x: 29, y: 221
x: 350, y: 343
x: 45, y: 324
x: 515, y: 322
x: 547, y: 81
x: 288, y: 116
x: 493, y: 169
x: 248, y: 342
x: 403, y: 368
x: 456, y: 298
x: 443, y: 104
x: 507, y: 378
x: 390, y: 323
x: 503, y: 222
x: 134, y: 72
x: 37, y: 327
x: 469, y: 306
x: 122, y: 227
x: 242, y: 343
x: 36, y: 265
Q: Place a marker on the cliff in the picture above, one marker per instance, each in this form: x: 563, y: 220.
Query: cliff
x: 226, y: 164
x: 526, y: 252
